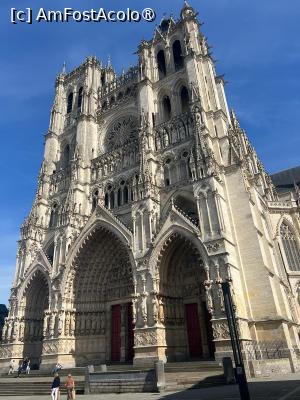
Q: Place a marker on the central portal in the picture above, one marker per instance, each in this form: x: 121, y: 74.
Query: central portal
x: 122, y: 338
x: 102, y: 288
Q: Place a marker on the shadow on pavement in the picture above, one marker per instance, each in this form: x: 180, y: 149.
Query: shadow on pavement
x: 259, y: 390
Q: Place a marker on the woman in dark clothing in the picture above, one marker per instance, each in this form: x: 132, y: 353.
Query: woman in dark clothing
x: 55, y: 387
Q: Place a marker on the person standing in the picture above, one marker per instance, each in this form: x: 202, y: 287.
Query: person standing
x: 55, y: 387
x: 70, y: 385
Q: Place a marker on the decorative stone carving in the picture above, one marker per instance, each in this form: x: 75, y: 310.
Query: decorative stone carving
x: 145, y: 338
x: 214, y: 247
x: 220, y: 330
x: 124, y: 131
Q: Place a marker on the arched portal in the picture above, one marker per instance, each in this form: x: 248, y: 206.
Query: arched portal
x: 35, y: 303
x: 102, y: 289
x: 182, y: 304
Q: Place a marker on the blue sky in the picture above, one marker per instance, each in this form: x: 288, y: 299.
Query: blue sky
x: 257, y: 45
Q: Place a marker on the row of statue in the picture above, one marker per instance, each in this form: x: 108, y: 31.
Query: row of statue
x: 153, y: 309
x: 22, y: 330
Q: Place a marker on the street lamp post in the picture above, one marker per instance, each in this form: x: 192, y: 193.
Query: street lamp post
x: 235, y: 343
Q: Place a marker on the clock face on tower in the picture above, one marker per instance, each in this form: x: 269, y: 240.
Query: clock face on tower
x: 121, y: 133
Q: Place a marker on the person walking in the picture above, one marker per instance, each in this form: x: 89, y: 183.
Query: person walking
x: 70, y: 385
x: 11, y: 367
x: 24, y: 365
x: 57, y: 368
x: 55, y: 387
x: 28, y: 367
x: 20, y: 368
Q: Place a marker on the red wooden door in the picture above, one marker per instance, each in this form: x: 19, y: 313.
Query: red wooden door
x: 193, y: 330
x: 130, y: 334
x: 116, y: 333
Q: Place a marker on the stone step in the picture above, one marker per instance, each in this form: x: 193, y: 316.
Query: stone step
x: 179, y: 375
x: 78, y: 371
x: 23, y: 388
x: 177, y: 382
x: 189, y: 367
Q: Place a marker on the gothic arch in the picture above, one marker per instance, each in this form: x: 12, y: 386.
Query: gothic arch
x: 113, y: 118
x: 36, y: 268
x: 33, y: 304
x: 173, y: 195
x: 108, y: 244
x: 179, y: 274
x: 284, y: 219
x: 98, y: 288
x: 96, y: 222
x: 289, y: 245
x: 164, y: 236
x: 161, y: 63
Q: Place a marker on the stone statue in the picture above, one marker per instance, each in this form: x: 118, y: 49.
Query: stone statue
x: 155, y: 307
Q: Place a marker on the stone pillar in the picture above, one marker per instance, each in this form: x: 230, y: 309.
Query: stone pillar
x: 149, y: 345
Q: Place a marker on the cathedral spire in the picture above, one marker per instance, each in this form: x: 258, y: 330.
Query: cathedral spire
x: 64, y: 68
x: 109, y: 61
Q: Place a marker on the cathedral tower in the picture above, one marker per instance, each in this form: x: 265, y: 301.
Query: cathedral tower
x: 149, y: 196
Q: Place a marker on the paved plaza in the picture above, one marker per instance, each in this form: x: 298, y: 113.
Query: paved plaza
x: 283, y: 387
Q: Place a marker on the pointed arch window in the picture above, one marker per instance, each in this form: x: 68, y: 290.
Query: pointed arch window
x: 125, y: 194
x: 106, y: 200
x: 112, y: 199
x: 53, y: 216
x: 166, y: 105
x: 70, y: 103
x: 79, y: 101
x: 290, y: 246
x: 66, y: 156
x: 184, y: 99
x: 161, y: 64
x: 177, y: 55
x: 119, y: 197
x: 50, y: 253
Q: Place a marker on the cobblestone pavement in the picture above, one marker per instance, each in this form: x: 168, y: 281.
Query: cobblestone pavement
x: 285, y: 387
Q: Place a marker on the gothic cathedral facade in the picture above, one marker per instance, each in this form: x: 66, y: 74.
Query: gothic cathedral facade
x: 149, y: 196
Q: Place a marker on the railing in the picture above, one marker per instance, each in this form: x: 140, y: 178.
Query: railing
x: 265, y: 350
x: 132, y: 75
x: 280, y: 204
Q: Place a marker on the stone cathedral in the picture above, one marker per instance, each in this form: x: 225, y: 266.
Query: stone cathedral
x: 149, y: 196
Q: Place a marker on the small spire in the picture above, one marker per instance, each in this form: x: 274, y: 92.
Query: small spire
x: 109, y: 61
x: 187, y: 10
x: 64, y: 68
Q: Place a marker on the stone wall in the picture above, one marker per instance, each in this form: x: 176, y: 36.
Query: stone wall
x: 264, y: 368
x: 122, y: 381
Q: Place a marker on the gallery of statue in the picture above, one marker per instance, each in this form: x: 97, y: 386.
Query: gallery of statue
x: 149, y: 196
